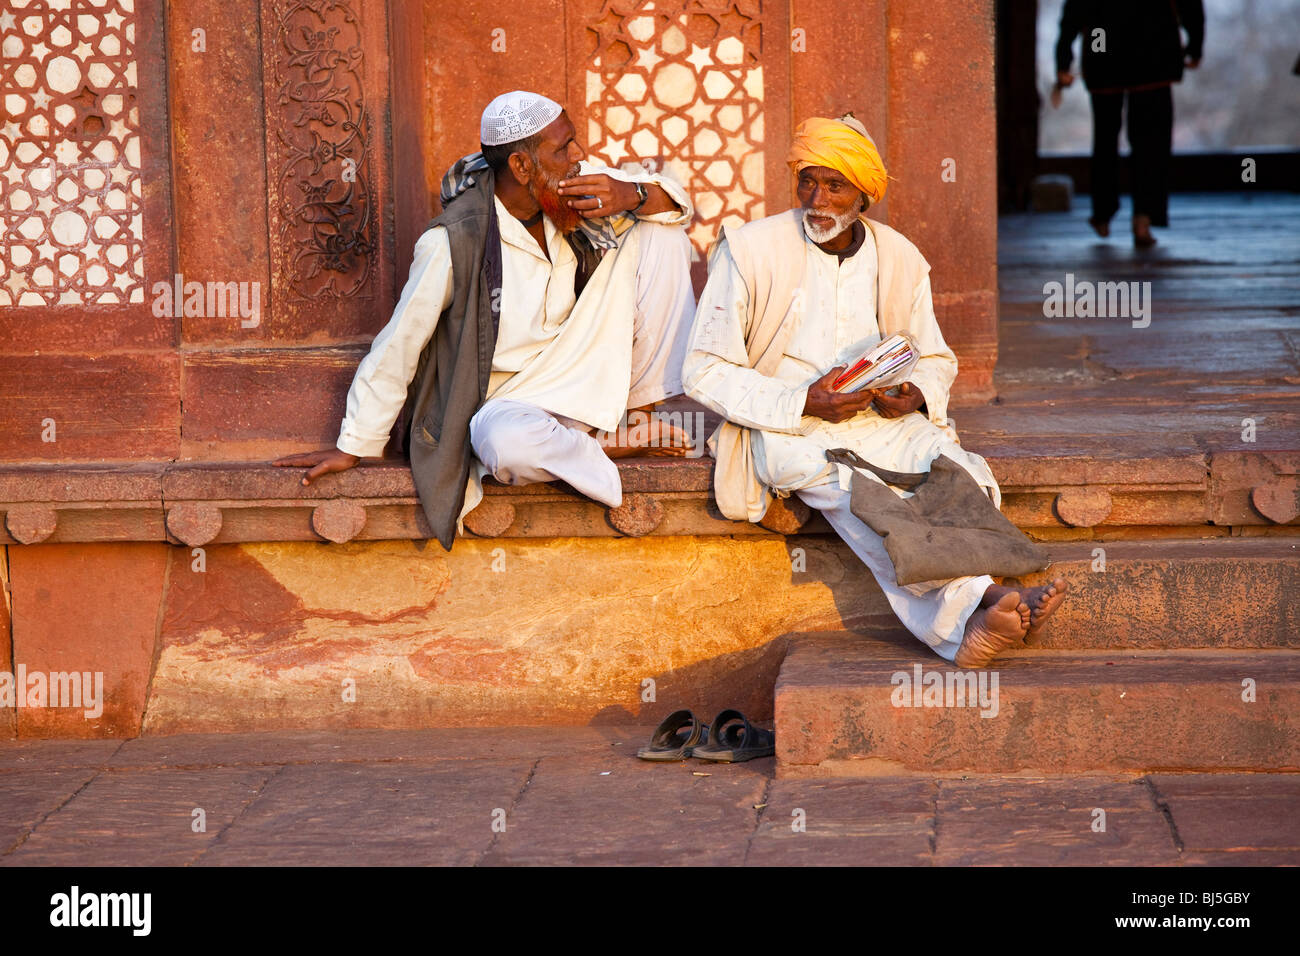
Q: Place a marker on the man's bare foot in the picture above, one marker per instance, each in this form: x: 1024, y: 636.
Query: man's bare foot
x: 992, y: 630
x: 1142, y: 237
x: 643, y: 435
x: 1041, y: 601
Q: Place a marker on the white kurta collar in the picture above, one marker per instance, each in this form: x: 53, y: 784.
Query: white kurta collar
x: 514, y: 234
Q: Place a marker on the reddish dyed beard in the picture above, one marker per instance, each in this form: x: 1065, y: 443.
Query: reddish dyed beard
x: 545, y: 192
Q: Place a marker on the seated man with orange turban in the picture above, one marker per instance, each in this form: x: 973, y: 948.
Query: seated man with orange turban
x: 790, y: 301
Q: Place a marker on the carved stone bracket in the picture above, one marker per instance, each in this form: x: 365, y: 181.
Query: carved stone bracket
x: 194, y: 522
x: 1083, y: 507
x: 491, y: 518
x: 338, y: 520
x: 31, y: 524
x: 786, y: 515
x: 638, y: 515
x: 1278, y: 501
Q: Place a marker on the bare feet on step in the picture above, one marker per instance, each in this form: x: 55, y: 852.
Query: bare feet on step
x: 1041, y: 601
x: 645, y: 435
x: 992, y: 630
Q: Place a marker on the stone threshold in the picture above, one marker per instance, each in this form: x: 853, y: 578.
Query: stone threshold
x: 199, y: 503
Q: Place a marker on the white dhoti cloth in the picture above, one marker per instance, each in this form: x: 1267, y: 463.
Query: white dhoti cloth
x: 831, y: 317
x: 519, y: 443
x: 935, y: 612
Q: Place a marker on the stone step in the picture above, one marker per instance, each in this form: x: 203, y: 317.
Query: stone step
x: 1176, y: 593
x: 840, y: 711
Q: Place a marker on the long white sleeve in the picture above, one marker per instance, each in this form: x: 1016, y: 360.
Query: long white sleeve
x: 380, y: 386
x: 637, y: 174
x: 715, y: 372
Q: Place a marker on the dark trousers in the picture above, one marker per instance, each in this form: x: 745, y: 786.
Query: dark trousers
x: 1150, y: 136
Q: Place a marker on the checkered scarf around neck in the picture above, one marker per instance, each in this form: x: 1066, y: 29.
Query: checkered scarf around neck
x: 601, y: 234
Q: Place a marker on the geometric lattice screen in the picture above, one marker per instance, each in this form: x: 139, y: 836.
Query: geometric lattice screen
x: 680, y: 81
x: 69, y: 154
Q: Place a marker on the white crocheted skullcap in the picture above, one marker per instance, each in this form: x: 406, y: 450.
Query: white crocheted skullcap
x: 515, y: 116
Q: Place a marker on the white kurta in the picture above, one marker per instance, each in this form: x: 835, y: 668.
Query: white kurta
x: 836, y: 323
x: 537, y: 298
x: 520, y: 442
x: 560, y: 362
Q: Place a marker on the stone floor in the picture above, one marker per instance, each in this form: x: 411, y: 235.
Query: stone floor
x: 580, y: 796
x: 1223, y: 343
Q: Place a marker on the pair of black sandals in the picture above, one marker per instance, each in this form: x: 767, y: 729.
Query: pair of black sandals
x: 731, y: 738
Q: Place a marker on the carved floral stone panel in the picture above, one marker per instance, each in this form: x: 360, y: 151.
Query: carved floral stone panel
x: 320, y: 154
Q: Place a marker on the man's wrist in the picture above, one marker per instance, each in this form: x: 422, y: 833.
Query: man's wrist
x: 359, y: 448
x: 799, y: 407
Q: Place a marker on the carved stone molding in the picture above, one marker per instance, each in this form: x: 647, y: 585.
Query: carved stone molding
x: 198, y: 502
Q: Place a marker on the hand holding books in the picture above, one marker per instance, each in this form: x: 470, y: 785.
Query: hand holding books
x: 847, y: 390
x: 908, y: 399
x: 884, y: 365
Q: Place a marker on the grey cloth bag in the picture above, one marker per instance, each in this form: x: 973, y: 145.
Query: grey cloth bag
x: 949, y: 528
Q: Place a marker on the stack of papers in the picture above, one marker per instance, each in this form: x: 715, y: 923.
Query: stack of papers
x: 887, y: 364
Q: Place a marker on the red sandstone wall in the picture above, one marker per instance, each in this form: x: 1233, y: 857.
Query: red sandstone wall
x: 240, y: 178
x: 920, y: 76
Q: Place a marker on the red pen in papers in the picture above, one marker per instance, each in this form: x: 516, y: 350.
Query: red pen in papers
x: 885, y: 365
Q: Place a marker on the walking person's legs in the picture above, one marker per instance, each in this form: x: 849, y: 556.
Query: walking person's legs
x: 1150, y: 133
x: 1107, y: 112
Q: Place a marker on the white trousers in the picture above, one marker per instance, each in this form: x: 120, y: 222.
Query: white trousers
x: 519, y: 443
x: 935, y: 612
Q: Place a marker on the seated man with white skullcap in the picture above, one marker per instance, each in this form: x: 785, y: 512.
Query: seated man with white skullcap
x: 790, y: 301
x: 550, y: 299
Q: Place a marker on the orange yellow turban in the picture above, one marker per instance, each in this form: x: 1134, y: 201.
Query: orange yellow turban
x: 844, y: 146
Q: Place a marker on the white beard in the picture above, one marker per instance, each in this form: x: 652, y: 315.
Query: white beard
x: 842, y: 222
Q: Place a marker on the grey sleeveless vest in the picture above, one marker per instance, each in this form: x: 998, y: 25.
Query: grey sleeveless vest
x: 451, y: 379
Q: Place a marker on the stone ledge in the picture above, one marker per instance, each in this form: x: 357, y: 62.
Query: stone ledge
x: 225, y: 502
x: 1082, y: 711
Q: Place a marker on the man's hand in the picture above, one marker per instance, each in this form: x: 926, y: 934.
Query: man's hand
x: 908, y: 399
x: 834, y: 406
x: 613, y: 196
x: 1064, y: 78
x: 608, y: 195
x: 320, y: 462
